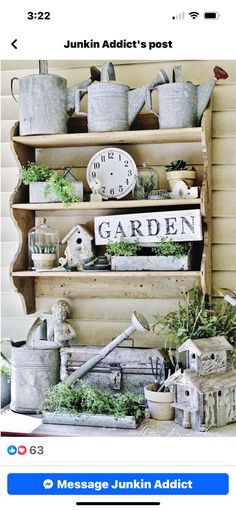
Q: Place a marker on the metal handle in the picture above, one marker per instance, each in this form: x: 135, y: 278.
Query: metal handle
x: 108, y: 73
x: 30, y: 337
x: 12, y: 93
x: 3, y: 355
x: 148, y: 101
x: 79, y: 93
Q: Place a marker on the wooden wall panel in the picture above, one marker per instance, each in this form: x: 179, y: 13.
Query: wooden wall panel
x: 224, y: 176
x: 224, y: 257
x: 224, y: 203
x: 224, y: 230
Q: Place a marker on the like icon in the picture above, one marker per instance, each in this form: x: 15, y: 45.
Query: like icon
x: 22, y: 450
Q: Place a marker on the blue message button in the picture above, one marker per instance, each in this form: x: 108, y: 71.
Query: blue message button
x: 118, y: 484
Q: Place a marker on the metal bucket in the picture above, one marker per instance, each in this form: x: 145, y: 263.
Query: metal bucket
x: 35, y: 369
x: 42, y: 104
x: 108, y: 107
x: 178, y: 105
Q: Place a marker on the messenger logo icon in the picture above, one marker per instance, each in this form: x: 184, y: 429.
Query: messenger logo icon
x: 48, y: 484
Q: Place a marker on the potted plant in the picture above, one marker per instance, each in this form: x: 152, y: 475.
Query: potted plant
x: 173, y: 256
x: 47, y: 186
x: 88, y: 406
x: 166, y: 256
x: 159, y: 399
x: 177, y: 170
x: 5, y: 372
x: 144, y: 185
x: 195, y: 318
x: 44, y: 256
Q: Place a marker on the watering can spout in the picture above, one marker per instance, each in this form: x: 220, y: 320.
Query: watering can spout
x: 137, y: 99
x: 204, y: 95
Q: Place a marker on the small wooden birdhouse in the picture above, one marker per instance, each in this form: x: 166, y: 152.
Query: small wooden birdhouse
x: 80, y: 247
x: 206, y: 355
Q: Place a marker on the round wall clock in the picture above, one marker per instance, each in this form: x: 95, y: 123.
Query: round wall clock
x: 115, y: 169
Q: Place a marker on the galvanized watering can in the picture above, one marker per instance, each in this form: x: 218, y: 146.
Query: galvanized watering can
x: 182, y: 104
x: 35, y: 368
x: 112, y: 106
x: 45, y: 102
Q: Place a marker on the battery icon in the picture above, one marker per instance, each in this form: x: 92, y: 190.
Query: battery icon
x: 211, y: 15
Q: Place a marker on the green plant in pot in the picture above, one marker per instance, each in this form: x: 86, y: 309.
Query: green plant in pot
x: 177, y: 170
x: 122, y: 248
x: 88, y: 399
x: 145, y: 184
x: 5, y: 385
x: 196, y: 318
x: 47, y: 186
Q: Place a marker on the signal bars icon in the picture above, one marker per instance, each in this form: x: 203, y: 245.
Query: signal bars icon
x: 179, y: 16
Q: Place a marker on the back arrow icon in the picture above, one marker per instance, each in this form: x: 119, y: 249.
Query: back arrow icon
x: 13, y: 44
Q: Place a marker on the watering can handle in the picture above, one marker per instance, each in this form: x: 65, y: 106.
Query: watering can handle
x: 30, y: 336
x: 108, y: 73
x: 79, y: 93
x: 3, y: 355
x: 148, y: 101
x: 12, y: 93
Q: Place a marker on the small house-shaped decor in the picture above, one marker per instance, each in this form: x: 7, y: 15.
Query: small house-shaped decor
x: 205, y: 392
x: 80, y: 247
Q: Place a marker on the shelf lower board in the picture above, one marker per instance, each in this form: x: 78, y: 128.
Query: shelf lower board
x: 145, y: 136
x: 107, y: 274
x: 119, y: 204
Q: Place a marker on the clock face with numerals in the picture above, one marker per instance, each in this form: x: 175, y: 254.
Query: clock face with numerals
x: 116, y: 171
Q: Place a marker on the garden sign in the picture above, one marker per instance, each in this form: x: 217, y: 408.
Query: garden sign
x: 150, y: 227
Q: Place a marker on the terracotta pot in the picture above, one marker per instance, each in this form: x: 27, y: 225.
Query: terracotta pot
x: 188, y: 176
x: 159, y: 403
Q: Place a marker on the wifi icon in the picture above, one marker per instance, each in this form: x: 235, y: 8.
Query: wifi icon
x: 194, y: 14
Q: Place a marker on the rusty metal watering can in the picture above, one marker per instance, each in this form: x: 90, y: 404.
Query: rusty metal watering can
x: 112, y: 106
x: 182, y: 104
x: 45, y: 102
x: 35, y: 368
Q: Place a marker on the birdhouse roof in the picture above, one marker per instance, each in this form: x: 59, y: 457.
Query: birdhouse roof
x: 83, y: 229
x: 204, y: 345
x: 203, y: 384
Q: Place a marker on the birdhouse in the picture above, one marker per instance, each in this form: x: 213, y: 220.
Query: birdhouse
x: 80, y: 247
x: 206, y: 355
x: 205, y: 392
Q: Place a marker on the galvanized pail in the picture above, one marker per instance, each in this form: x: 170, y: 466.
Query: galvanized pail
x: 178, y: 105
x: 42, y: 104
x: 35, y: 369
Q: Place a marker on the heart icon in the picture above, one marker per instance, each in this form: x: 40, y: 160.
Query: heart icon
x: 22, y: 450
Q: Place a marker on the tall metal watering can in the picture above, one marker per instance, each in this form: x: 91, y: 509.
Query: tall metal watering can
x: 45, y: 102
x: 112, y: 106
x: 35, y: 368
x: 182, y: 104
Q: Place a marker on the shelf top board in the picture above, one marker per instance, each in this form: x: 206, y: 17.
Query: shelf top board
x: 108, y: 274
x: 180, y: 135
x: 119, y: 204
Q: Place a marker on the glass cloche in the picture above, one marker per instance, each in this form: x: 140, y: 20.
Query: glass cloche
x: 147, y: 181
x: 43, y: 245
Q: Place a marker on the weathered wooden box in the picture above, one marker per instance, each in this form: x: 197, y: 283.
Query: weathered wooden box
x: 150, y: 263
x: 125, y: 369
x: 90, y: 420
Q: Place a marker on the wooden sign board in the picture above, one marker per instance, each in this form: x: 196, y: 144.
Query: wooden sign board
x: 149, y: 227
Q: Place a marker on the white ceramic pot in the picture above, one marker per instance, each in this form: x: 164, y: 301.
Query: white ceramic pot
x: 159, y: 403
x: 44, y: 261
x: 39, y: 194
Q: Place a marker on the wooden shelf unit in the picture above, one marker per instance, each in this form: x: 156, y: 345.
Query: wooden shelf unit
x: 145, y: 284
x: 119, y: 204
